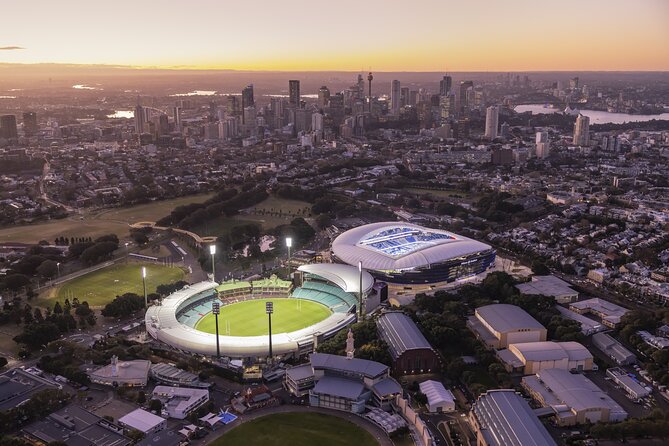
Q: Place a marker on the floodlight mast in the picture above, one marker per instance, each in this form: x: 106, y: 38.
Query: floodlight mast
x: 269, y: 309
x: 289, y: 244
x: 216, y: 310
x: 212, y: 251
x: 146, y: 300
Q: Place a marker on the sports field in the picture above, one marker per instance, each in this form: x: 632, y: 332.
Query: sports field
x: 102, y: 286
x: 297, y: 429
x: 249, y: 318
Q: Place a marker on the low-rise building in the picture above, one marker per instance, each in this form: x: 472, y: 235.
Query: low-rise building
x: 411, y: 352
x: 125, y: 373
x: 18, y: 385
x: 179, y: 402
x: 503, y: 418
x: 499, y: 325
x: 630, y: 384
x: 657, y: 342
x: 573, y: 397
x: 613, y: 349
x: 588, y: 326
x: 439, y: 398
x: 174, y: 376
x: 531, y: 357
x: 143, y: 421
x: 609, y: 313
x: 549, y: 286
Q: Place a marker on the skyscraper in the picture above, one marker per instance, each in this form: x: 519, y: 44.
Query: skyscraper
x: 176, y: 115
x: 8, y: 128
x: 370, y: 78
x: 30, y: 123
x: 395, y: 93
x: 543, y: 148
x: 404, y: 96
x: 232, y: 106
x: 139, y: 118
x: 582, y: 130
x: 445, y: 85
x: 247, y: 101
x: 323, y: 96
x: 491, y: 122
x: 462, y: 97
x: 294, y: 93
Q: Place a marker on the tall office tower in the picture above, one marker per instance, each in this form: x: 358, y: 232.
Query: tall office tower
x: 361, y: 87
x: 543, y: 146
x: 8, y: 127
x: 276, y: 105
x: 247, y: 97
x: 395, y: 92
x: 140, y: 119
x: 294, y: 93
x: 302, y: 120
x: 504, y: 130
x: 573, y: 83
x: 491, y: 121
x: 582, y: 130
x: 317, y: 122
x: 462, y: 96
x: 232, y: 107
x: 249, y: 116
x: 176, y: 116
x: 30, y: 123
x: 404, y: 96
x: 445, y: 85
x: 413, y: 97
x: 323, y: 97
x: 447, y: 106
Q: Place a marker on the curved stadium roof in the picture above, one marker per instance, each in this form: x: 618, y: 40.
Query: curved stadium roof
x: 346, y: 277
x: 392, y: 246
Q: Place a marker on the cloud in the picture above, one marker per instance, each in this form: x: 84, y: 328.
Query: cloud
x: 10, y: 48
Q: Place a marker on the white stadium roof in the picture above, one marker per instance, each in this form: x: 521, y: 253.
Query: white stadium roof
x: 392, y: 246
x: 346, y: 277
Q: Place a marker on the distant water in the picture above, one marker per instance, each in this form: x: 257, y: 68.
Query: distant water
x: 7, y: 97
x: 309, y: 96
x: 128, y: 114
x: 596, y: 116
x: 85, y: 87
x: 197, y: 93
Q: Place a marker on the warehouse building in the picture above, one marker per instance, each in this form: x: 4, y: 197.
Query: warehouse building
x: 549, y: 286
x: 411, y: 352
x: 503, y: 418
x: 573, y: 397
x: 531, y: 357
x: 628, y: 383
x: 609, y: 313
x: 439, y: 398
x: 613, y: 349
x: 499, y: 325
x: 588, y: 326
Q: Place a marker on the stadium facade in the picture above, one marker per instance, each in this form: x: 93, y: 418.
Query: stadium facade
x: 407, y: 254
x: 335, y: 286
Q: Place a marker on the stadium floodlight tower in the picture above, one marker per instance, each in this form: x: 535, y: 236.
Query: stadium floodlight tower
x: 360, y: 290
x: 146, y: 300
x: 289, y: 244
x: 212, y: 251
x: 216, y: 309
x: 269, y: 309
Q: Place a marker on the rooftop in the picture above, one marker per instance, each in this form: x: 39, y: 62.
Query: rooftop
x: 141, y: 420
x: 505, y: 317
x: 401, y: 333
x: 370, y: 369
x: 547, y: 286
x: 17, y: 386
x: 550, y: 350
x: 436, y: 393
x: 136, y: 369
x: 341, y: 387
x: 603, y: 308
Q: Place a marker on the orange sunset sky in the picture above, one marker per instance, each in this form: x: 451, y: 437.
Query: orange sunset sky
x: 386, y: 35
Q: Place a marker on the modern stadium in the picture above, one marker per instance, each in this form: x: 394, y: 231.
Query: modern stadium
x: 406, y: 254
x: 326, y: 300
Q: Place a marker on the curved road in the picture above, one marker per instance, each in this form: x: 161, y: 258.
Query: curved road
x: 378, y: 433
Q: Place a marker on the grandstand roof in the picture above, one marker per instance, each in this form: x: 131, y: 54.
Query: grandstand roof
x: 341, y: 387
x: 390, y: 246
x: 504, y: 317
x: 364, y: 367
x: 344, y: 276
x: 400, y: 333
x: 233, y: 285
x: 272, y: 281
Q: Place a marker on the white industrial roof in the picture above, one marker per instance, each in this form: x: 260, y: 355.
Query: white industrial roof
x: 507, y: 420
x: 547, y: 286
x: 162, y: 324
x: 549, y: 350
x: 436, y: 393
x: 141, y: 420
x: 434, y: 246
x: 505, y: 317
x: 559, y: 386
x: 606, y: 310
x: 346, y: 277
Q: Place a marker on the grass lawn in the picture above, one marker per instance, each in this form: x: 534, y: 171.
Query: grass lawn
x: 448, y: 193
x: 102, y: 286
x: 112, y: 221
x: 249, y: 318
x: 297, y: 429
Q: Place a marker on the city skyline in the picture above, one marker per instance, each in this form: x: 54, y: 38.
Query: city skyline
x: 440, y: 36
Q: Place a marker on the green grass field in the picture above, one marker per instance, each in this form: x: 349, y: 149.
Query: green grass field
x: 102, y: 286
x: 249, y: 318
x: 112, y: 221
x: 297, y: 429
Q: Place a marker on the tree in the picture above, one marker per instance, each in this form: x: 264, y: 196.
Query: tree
x: 155, y: 406
x: 48, y: 269
x: 36, y: 335
x: 123, y: 306
x: 3, y: 361
x: 141, y: 397
x: 15, y: 282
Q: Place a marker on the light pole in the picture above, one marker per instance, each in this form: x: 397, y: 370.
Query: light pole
x: 360, y: 290
x: 212, y: 251
x: 289, y: 244
x: 216, y: 309
x: 58, y: 268
x: 126, y: 252
x: 269, y: 309
x: 146, y: 301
